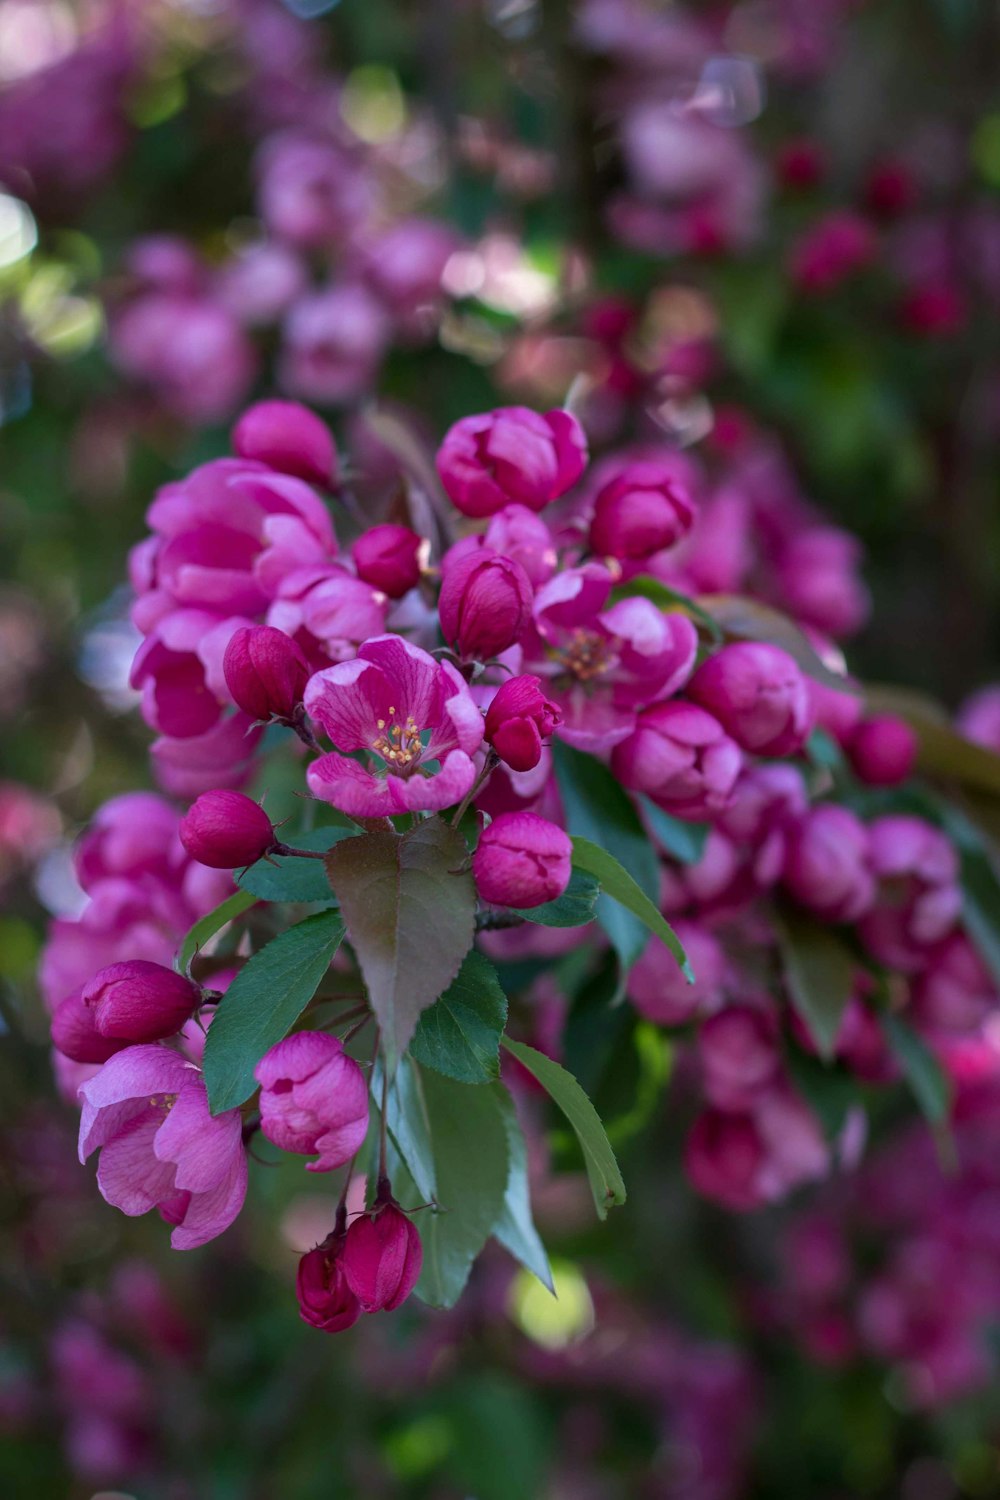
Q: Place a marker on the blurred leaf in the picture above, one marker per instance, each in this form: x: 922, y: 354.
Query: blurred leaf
x: 819, y: 971
x: 942, y: 751
x: 263, y: 1003
x: 500, y: 1448
x: 617, y: 882
x: 459, y: 1035
x: 409, y: 909
x: 574, y: 908
x: 683, y: 841
x: 748, y: 620
x: 602, y: 1169
x: 655, y: 1055
x: 289, y: 879
x: 830, y: 1092
x: 515, y: 1228
x: 206, y: 927
x: 921, y: 1069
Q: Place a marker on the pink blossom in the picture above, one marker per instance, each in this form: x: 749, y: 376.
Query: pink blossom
x: 485, y: 600
x: 326, y: 1301
x: 828, y: 864
x: 658, y: 989
x: 830, y: 250
x: 289, y: 438
x: 511, y: 455
x: 388, y: 557
x: 979, y: 718
x: 196, y: 763
x: 414, y: 715
x: 313, y: 1099
x: 641, y: 510
x: 882, y: 750
x: 333, y: 342
x: 265, y: 672
x: 191, y: 351
x: 518, y: 719
x: 522, y: 860
x: 682, y: 758
x: 226, y: 830
x: 139, y: 1001
x: 147, y: 1112
x: 382, y: 1258
x: 759, y: 696
x: 518, y: 533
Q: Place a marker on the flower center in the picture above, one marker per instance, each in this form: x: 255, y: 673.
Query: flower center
x: 399, y: 745
x: 165, y: 1102
x: 588, y: 655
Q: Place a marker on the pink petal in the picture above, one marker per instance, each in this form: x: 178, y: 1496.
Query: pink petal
x: 128, y: 1079
x: 348, y: 700
x: 128, y: 1174
x: 208, y: 1214
x: 202, y: 1148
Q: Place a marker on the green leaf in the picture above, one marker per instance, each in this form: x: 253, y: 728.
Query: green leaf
x: 646, y: 587
x: 471, y: 1167
x: 408, y: 1124
x: 921, y: 1069
x: 574, y: 908
x: 748, y: 620
x: 286, y: 878
x: 602, y: 1169
x: 263, y: 1003
x: 597, y: 808
x: 618, y: 883
x: 830, y: 1092
x: 515, y: 1228
x: 683, y: 841
x: 459, y: 1035
x: 206, y: 927
x: 819, y: 971
x: 409, y: 908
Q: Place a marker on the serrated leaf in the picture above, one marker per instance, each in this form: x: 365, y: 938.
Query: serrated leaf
x: 286, y: 878
x: 471, y: 1167
x: 597, y: 808
x: 685, y: 842
x: 515, y: 1228
x: 921, y: 1069
x: 617, y: 882
x: 819, y: 971
x: 459, y: 1035
x: 602, y: 1169
x: 574, y: 908
x: 409, y: 910
x: 746, y: 619
x: 214, y: 921
x: 263, y: 1003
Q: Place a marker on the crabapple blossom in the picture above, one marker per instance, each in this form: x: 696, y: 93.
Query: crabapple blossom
x: 828, y: 864
x: 642, y: 510
x: 382, y: 1257
x: 265, y: 672
x: 681, y: 757
x: 522, y: 860
x: 388, y: 557
x: 485, y: 600
x: 139, y: 1001
x: 287, y: 437
x: 226, y: 830
x: 511, y: 456
x: 518, y: 719
x: 326, y: 1302
x: 313, y: 1098
x: 882, y: 750
x: 758, y: 695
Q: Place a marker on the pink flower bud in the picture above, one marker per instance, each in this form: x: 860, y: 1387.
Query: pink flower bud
x: 226, y: 830
x: 387, y: 558
x: 382, y: 1258
x: 313, y: 1098
x: 139, y: 1001
x: 522, y: 860
x: 758, y: 695
x: 521, y: 535
x: 288, y: 437
x: 739, y: 1055
x: 265, y: 672
x: 642, y: 510
x: 882, y: 750
x: 326, y: 1301
x: 658, y: 989
x: 75, y: 1033
x: 511, y: 455
x: 723, y: 1157
x: 681, y: 756
x: 828, y: 864
x: 517, y: 721
x: 485, y: 601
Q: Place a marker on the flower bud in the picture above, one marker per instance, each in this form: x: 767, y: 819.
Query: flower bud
x: 681, y: 756
x: 723, y: 1156
x: 139, y: 1001
x: 326, y: 1301
x: 522, y: 860
x: 758, y: 695
x: 517, y: 721
x: 226, y: 830
x: 485, y: 601
x: 288, y: 437
x: 265, y: 672
x: 75, y: 1033
x: 313, y: 1098
x: 641, y: 511
x: 511, y: 455
x: 382, y: 1258
x: 882, y: 750
x: 828, y: 864
x: 387, y: 557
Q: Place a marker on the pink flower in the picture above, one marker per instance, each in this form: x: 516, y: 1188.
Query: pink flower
x: 405, y: 265
x: 134, y: 834
x: 388, y: 557
x: 758, y: 695
x: 311, y: 190
x: 328, y: 611
x: 818, y: 582
x: 738, y: 1048
x: 75, y: 1034
x: 289, y: 438
x: 956, y: 992
x: 830, y: 250
x: 333, y: 342
x: 882, y: 750
x: 602, y: 665
x: 191, y: 351
x: 485, y: 600
x: 518, y: 719
x: 195, y: 763
x: 828, y: 864
x: 226, y: 830
x: 979, y: 718
x: 642, y: 510
x: 658, y: 989
x: 139, y: 1001
x: 313, y: 1098
x: 147, y: 1112
x: 522, y: 860
x: 382, y: 1258
x: 326, y: 1301
x: 511, y: 455
x: 681, y: 756
x: 265, y: 672
x: 518, y: 533
x: 415, y: 715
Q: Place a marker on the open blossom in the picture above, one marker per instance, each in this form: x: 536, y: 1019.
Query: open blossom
x: 415, y: 718
x: 313, y: 1098
x: 759, y: 696
x: 600, y: 664
x: 511, y: 455
x: 147, y: 1112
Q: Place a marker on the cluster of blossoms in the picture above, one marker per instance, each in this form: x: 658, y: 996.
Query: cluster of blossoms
x: 423, y: 674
